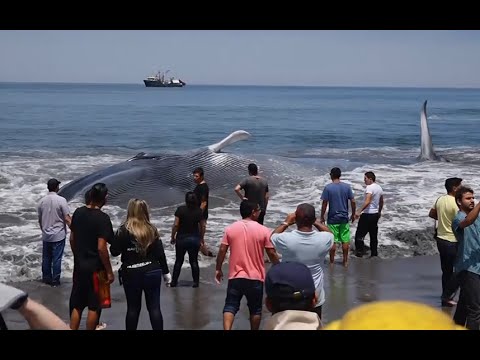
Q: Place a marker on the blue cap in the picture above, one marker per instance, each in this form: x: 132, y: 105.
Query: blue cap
x: 295, y: 275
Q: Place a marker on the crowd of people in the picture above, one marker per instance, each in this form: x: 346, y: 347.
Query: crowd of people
x: 293, y: 285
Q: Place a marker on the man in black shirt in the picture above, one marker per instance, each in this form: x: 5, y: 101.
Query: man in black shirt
x: 201, y: 191
x: 91, y: 230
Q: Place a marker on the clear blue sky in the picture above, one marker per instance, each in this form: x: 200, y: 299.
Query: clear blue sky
x: 343, y: 58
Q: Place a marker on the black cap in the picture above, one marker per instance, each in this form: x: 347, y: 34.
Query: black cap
x: 52, y: 184
x: 295, y: 275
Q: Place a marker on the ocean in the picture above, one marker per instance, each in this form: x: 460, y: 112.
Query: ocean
x: 69, y: 130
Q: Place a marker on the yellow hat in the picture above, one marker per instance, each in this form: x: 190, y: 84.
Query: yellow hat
x: 394, y: 315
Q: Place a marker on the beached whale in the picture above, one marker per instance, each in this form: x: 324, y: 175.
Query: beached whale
x: 426, y: 147
x: 163, y: 179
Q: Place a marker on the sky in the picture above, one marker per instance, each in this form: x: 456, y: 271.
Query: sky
x: 245, y: 57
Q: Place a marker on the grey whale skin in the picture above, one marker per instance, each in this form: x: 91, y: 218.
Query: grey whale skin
x: 426, y: 146
x: 163, y: 179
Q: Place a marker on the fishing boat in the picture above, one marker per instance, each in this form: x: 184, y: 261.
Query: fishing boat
x: 160, y: 79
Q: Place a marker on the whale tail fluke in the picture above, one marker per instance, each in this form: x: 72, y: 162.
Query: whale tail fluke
x: 426, y: 147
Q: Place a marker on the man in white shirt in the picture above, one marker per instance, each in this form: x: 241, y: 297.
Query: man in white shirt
x: 369, y: 215
x: 53, y: 217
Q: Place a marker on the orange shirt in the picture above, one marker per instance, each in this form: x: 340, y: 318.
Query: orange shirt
x: 247, y: 240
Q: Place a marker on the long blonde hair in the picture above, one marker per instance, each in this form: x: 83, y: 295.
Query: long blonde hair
x: 138, y: 224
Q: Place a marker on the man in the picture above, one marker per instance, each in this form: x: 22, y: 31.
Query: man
x: 444, y: 211
x: 255, y: 189
x: 336, y: 196
x: 369, y: 215
x: 305, y: 245
x: 100, y: 325
x: 91, y: 230
x: 53, y: 217
x: 247, y: 239
x: 202, y: 192
x: 291, y: 296
x: 466, y: 227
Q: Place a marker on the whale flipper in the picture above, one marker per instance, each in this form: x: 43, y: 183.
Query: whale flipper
x: 230, y: 139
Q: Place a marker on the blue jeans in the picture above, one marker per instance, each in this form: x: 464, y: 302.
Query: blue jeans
x: 136, y: 282
x: 52, y: 261
x: 448, y: 254
x: 184, y: 244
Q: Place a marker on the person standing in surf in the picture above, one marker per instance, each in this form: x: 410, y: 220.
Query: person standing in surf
x: 202, y: 193
x: 369, y: 215
x: 53, y: 217
x: 336, y: 196
x: 256, y: 189
x: 187, y: 235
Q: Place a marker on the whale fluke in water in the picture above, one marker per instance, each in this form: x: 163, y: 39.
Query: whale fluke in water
x: 426, y: 147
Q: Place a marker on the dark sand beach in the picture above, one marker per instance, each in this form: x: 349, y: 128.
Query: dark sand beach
x: 183, y: 307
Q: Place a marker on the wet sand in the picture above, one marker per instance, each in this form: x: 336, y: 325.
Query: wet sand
x: 183, y: 307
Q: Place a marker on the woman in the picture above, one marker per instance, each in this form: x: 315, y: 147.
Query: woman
x: 143, y: 263
x: 187, y: 235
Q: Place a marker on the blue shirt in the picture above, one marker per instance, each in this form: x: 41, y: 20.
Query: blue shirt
x: 337, y: 195
x: 309, y: 248
x: 468, y: 254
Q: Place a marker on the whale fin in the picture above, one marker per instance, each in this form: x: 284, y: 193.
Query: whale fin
x: 138, y: 156
x: 426, y: 146
x: 230, y: 139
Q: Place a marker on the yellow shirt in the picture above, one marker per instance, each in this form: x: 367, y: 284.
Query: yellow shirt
x: 446, y: 210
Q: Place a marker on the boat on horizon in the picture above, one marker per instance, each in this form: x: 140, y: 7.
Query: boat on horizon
x: 160, y: 80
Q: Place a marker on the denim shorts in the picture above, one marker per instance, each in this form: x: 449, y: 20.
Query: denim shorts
x: 253, y: 291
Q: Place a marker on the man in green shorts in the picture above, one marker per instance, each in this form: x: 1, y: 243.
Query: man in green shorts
x: 336, y: 196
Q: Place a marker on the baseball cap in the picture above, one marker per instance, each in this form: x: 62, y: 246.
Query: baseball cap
x: 394, y: 315
x: 53, y: 183
x: 289, y: 280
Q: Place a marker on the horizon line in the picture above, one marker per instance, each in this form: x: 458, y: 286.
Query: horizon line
x: 249, y: 85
